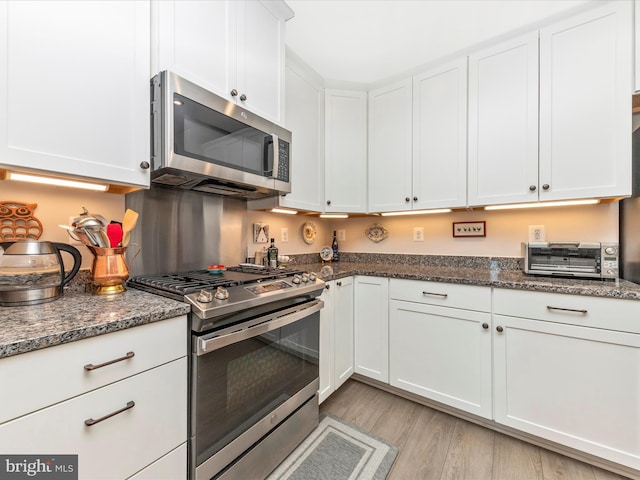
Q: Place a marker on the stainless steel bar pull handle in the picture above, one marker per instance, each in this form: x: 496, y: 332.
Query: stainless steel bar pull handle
x: 434, y: 294
x: 91, y: 421
x: 573, y: 310
x: 91, y: 366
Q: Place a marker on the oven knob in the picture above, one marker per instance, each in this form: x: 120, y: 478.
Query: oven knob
x: 610, y: 250
x: 205, y: 296
x: 222, y: 293
x: 305, y: 277
x: 296, y: 279
x: 312, y: 277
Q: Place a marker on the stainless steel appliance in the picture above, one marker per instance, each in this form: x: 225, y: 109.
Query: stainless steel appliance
x: 253, y: 365
x: 572, y: 259
x: 203, y: 142
x: 630, y: 212
x: 32, y: 272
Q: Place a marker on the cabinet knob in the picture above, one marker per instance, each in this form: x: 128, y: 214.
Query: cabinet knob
x: 243, y: 97
x: 415, y: 199
x: 546, y: 186
x: 407, y: 199
x: 234, y: 93
x: 328, y: 202
x: 499, y: 329
x: 485, y: 325
x: 144, y: 165
x: 532, y: 188
x: 327, y: 286
x: 339, y: 284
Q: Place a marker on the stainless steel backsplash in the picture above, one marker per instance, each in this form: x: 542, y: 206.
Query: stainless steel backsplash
x: 183, y: 230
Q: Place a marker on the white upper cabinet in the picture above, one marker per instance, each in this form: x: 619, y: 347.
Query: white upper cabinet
x: 440, y: 137
x: 585, y: 104
x: 390, y: 147
x: 345, y: 151
x: 503, y: 123
x: 74, y: 89
x: 233, y: 48
x: 305, y: 115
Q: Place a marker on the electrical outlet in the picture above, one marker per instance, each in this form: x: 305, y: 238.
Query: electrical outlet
x: 342, y: 235
x: 418, y: 234
x: 284, y: 235
x: 536, y: 233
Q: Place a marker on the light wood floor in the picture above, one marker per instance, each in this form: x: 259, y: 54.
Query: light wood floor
x: 435, y: 445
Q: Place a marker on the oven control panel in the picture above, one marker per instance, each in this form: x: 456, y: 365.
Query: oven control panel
x: 268, y: 287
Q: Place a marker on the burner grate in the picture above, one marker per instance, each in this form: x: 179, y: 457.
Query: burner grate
x: 182, y: 283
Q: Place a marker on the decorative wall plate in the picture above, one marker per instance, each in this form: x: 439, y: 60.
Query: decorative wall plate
x: 17, y: 221
x: 309, y: 233
x: 326, y: 254
x: 376, y: 233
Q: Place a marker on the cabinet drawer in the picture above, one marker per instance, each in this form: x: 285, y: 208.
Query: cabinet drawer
x: 595, y: 312
x: 173, y: 466
x: 468, y: 297
x: 116, y: 447
x: 51, y: 375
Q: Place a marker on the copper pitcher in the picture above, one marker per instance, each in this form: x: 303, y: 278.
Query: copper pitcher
x: 109, y: 270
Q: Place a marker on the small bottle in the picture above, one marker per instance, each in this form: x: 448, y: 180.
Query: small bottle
x: 265, y: 258
x: 272, y: 254
x: 334, y: 247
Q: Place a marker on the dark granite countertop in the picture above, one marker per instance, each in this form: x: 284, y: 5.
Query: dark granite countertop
x: 77, y: 315
x: 511, y: 279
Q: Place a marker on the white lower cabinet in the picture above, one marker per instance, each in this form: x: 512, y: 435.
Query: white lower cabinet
x: 437, y: 349
x: 336, y: 336
x: 562, y: 373
x: 120, y: 416
x: 371, y: 324
x: 170, y: 467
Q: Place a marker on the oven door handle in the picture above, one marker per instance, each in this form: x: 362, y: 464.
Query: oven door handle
x: 270, y: 322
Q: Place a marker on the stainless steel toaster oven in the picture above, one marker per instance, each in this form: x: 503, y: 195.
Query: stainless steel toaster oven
x: 572, y: 259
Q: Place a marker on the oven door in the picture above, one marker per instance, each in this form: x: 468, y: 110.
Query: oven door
x: 247, y: 379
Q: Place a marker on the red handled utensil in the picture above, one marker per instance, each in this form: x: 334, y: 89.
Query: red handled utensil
x: 114, y: 232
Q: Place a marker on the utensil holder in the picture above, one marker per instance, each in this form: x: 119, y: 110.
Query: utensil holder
x: 109, y: 270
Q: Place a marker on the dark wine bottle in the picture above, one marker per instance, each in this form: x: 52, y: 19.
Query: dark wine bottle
x: 334, y: 247
x: 272, y: 254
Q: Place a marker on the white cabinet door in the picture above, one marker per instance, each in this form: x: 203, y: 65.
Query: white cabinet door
x: 345, y: 151
x: 441, y: 353
x: 390, y: 148
x: 74, y: 89
x: 585, y: 99
x: 343, y: 332
x: 573, y: 385
x: 305, y: 119
x: 371, y: 319
x: 233, y: 48
x: 503, y: 123
x: 440, y: 137
x: 327, y: 347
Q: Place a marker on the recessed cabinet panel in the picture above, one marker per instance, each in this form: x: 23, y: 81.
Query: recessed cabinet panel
x: 74, y: 88
x: 345, y: 151
x: 371, y: 319
x: 503, y: 123
x: 390, y: 148
x: 585, y: 100
x: 440, y: 137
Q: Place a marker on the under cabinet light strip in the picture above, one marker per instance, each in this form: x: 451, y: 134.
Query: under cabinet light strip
x: 282, y: 210
x: 567, y: 203
x: 334, y: 215
x: 416, y: 212
x: 58, y: 182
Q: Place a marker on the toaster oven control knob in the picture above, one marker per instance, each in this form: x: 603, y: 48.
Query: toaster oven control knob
x: 205, y: 296
x: 610, y: 250
x: 221, y: 293
x: 296, y: 279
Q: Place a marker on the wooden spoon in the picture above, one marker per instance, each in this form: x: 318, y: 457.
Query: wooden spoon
x: 128, y: 223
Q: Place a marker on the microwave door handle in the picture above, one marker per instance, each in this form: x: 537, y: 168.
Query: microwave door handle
x: 275, y: 152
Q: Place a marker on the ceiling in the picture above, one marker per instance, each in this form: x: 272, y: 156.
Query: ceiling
x: 364, y: 41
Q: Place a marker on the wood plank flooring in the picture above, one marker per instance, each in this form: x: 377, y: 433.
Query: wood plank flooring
x: 435, y: 445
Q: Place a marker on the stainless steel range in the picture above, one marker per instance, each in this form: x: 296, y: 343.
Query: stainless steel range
x: 253, y: 368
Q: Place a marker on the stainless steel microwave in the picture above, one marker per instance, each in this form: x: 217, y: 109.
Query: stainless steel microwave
x: 203, y: 142
x: 572, y: 259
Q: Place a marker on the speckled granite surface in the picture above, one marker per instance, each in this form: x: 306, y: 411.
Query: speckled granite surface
x: 77, y: 315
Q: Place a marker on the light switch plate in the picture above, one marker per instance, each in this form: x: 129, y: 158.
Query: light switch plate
x: 470, y: 229
x: 342, y: 235
x: 284, y: 235
x: 418, y: 234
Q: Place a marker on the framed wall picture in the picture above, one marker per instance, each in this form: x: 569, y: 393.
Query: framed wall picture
x: 470, y: 229
x: 260, y: 233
